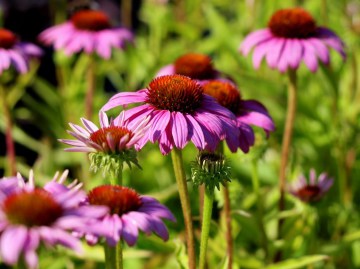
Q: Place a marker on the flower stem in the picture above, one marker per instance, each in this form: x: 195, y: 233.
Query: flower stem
x: 227, y: 215
x: 10, y: 146
x: 91, y: 78
x: 177, y: 160
x: 113, y: 256
x: 289, y: 124
x: 116, y: 178
x: 205, y: 228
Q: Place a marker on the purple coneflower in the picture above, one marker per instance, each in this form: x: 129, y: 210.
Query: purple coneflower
x: 15, y: 53
x: 312, y: 189
x: 112, y: 137
x: 31, y: 216
x: 89, y: 31
x: 247, y: 112
x: 292, y: 36
x: 193, y: 65
x: 129, y: 213
x: 110, y: 145
x: 179, y: 112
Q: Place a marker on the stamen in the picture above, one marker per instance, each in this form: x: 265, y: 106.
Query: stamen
x: 36, y: 208
x: 292, y: 23
x: 118, y: 199
x: 225, y: 93
x: 175, y: 93
x: 195, y: 66
x: 90, y: 20
x: 7, y: 39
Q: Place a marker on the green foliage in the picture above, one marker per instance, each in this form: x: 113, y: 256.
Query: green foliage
x: 326, y: 137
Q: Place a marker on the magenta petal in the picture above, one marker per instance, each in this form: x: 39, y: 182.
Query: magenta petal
x: 332, y: 40
x: 273, y: 55
x: 256, y: 114
x: 309, y: 56
x: 166, y: 70
x: 246, y: 138
x: 32, y: 244
x: 159, y: 228
x: 180, y: 130
x: 140, y: 220
x: 166, y: 141
x: 259, y: 53
x: 125, y: 98
x: 254, y: 39
x: 12, y: 243
x: 129, y: 232
x: 285, y: 56
x: 321, y: 50
x: 158, y: 124
x: 296, y: 53
x: 196, y: 132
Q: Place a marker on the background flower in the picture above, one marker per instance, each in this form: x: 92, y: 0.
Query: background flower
x: 15, y: 53
x: 292, y: 36
x: 313, y: 188
x: 247, y: 112
x: 89, y: 31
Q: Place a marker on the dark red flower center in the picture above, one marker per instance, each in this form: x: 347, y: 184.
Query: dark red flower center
x: 309, y: 193
x: 225, y: 93
x: 7, y: 39
x: 292, y: 23
x: 175, y: 93
x: 91, y: 20
x: 195, y: 66
x: 116, y: 134
x: 36, y: 208
x: 118, y: 199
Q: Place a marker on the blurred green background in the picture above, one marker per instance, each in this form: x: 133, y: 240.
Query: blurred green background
x: 326, y: 136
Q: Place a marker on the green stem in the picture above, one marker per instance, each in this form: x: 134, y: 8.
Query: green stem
x: 205, y: 228
x: 113, y: 256
x: 179, y: 171
x: 10, y: 145
x: 89, y: 98
x: 116, y: 178
x: 227, y: 215
x: 289, y: 124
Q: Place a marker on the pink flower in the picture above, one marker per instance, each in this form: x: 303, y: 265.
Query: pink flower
x: 128, y: 213
x: 15, y: 53
x: 89, y: 31
x: 292, y: 36
x: 247, y: 112
x: 32, y: 216
x: 313, y: 189
x: 112, y: 137
x: 179, y: 112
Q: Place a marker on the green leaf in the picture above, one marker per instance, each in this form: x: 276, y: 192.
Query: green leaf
x: 298, y: 263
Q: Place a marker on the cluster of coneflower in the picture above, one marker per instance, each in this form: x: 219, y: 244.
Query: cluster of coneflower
x: 187, y: 101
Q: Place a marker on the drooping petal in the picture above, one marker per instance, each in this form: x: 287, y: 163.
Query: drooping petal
x: 309, y: 56
x: 254, y: 39
x: 12, y: 243
x: 125, y: 98
x: 179, y: 130
x: 273, y: 55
